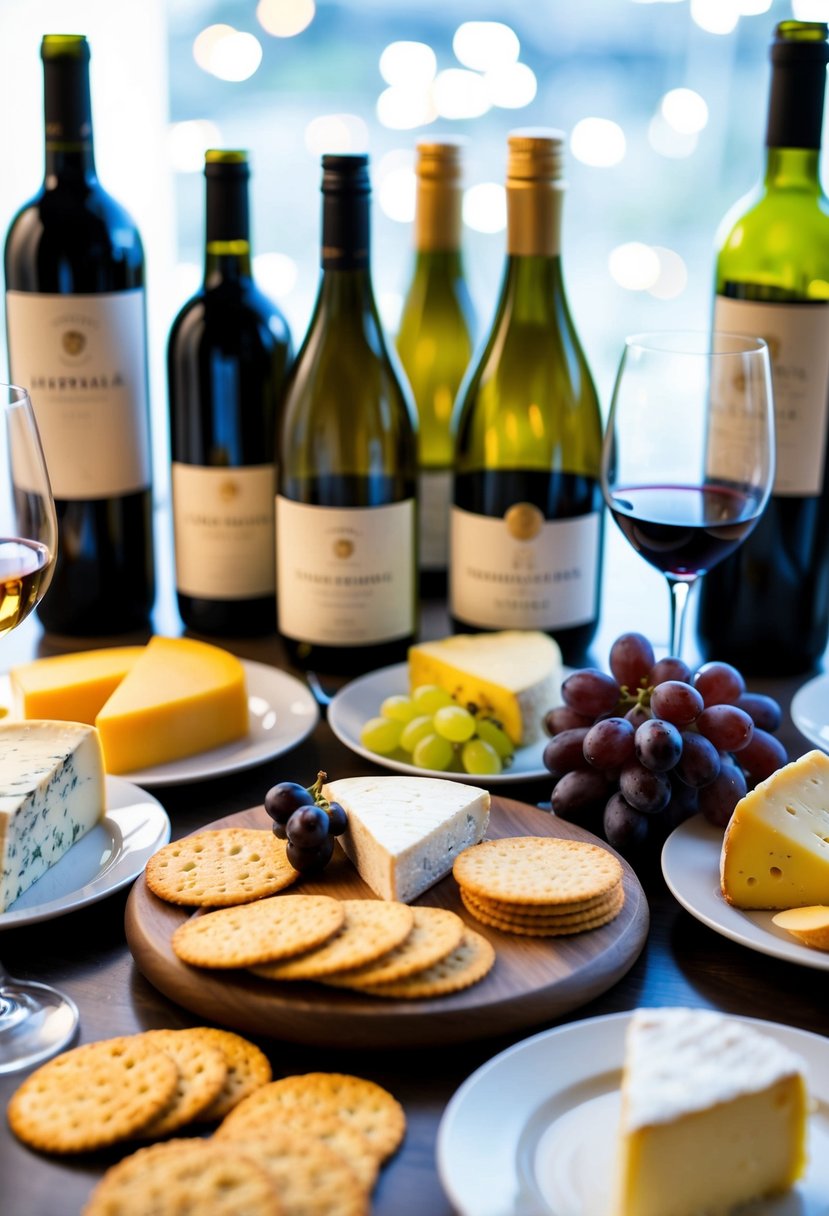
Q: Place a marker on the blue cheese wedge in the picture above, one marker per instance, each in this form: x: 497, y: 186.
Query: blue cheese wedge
x: 51, y: 794
x: 404, y: 833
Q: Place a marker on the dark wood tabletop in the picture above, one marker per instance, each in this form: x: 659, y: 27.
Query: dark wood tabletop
x: 85, y: 954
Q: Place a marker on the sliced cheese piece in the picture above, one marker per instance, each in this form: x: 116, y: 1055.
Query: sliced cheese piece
x: 513, y: 676
x: 713, y: 1115
x: 775, y: 852
x: 404, y: 833
x: 71, y: 687
x: 51, y: 794
x: 808, y: 925
x: 181, y: 697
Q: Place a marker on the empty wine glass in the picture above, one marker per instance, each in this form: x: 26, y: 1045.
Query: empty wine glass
x: 688, y: 458
x: 35, y: 1020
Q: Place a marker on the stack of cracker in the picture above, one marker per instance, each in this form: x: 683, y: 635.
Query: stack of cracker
x: 537, y: 886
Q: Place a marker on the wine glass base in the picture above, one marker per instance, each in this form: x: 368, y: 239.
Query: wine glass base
x: 36, y: 1021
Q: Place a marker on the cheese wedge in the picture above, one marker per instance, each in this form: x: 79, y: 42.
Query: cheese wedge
x: 70, y: 687
x: 404, y: 833
x: 713, y: 1115
x: 775, y: 852
x: 51, y: 794
x: 808, y: 925
x: 180, y: 697
x: 513, y: 676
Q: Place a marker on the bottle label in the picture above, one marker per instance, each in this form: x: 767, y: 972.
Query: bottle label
x: 224, y: 531
x: 798, y: 340
x: 434, y: 501
x: 345, y: 576
x: 83, y: 361
x: 522, y: 571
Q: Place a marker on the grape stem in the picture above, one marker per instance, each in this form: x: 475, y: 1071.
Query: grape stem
x: 315, y: 790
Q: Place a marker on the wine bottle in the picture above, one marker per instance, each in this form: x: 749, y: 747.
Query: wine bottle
x: 227, y: 358
x: 526, y: 525
x: 346, y: 461
x: 434, y: 343
x: 766, y: 607
x: 76, y: 325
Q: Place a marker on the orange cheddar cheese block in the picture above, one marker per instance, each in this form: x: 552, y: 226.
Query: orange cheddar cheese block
x: 71, y: 687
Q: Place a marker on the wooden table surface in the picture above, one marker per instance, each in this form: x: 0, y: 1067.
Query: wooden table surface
x: 84, y: 953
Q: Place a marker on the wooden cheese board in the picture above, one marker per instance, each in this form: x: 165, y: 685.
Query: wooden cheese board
x: 534, y: 980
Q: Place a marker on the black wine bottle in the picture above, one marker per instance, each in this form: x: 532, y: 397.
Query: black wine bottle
x: 227, y: 358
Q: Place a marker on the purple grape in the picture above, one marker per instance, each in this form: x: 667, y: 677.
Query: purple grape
x: 565, y: 751
x: 669, y: 669
x: 308, y: 861
x: 282, y: 800
x: 308, y: 827
x: 638, y: 714
x: 730, y: 729
x: 763, y: 711
x: 337, y: 819
x: 719, y: 684
x: 564, y: 718
x: 644, y: 789
x: 763, y: 755
x: 658, y: 745
x: 699, y: 764
x: 280, y: 831
x: 631, y: 658
x: 676, y: 702
x: 684, y: 803
x: 625, y: 828
x: 609, y: 743
x: 717, y: 800
x: 579, y: 791
x: 590, y: 691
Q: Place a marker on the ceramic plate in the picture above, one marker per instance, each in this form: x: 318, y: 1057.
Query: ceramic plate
x: 104, y: 860
x: 360, y: 700
x: 533, y: 1131
x: 691, y: 865
x: 810, y: 711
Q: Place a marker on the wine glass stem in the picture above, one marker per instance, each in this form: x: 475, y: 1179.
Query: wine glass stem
x: 680, y: 590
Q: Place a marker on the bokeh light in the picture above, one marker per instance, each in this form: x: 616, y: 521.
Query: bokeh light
x: 205, y: 42
x: 336, y: 133
x: 460, y: 94
x: 227, y: 53
x: 276, y: 273
x: 188, y: 141
x: 753, y: 8
x: 598, y: 141
x: 408, y: 64
x: 715, y: 16
x: 396, y: 194
x: 485, y: 45
x: 667, y: 141
x: 285, y: 18
x: 684, y: 110
x: 512, y: 86
x: 810, y: 10
x: 403, y: 109
x: 634, y: 266
x: 673, y: 274
x: 485, y: 207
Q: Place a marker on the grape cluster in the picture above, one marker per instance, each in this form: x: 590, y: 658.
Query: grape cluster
x: 431, y: 730
x: 653, y: 742
x: 307, y: 820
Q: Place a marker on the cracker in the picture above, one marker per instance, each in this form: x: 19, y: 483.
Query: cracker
x: 261, y: 932
x: 247, y: 1069
x: 371, y: 928
x: 93, y: 1096
x: 466, y: 965
x: 366, y: 1107
x: 537, y: 870
x: 435, y: 933
x: 503, y: 907
x: 220, y: 868
x: 555, y: 914
x: 562, y: 927
x: 185, y: 1178
x: 310, y: 1178
x: 201, y: 1074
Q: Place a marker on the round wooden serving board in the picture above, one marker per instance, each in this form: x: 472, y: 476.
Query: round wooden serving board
x: 534, y: 979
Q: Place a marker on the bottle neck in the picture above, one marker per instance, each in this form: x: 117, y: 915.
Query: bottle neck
x: 792, y: 169
x: 68, y: 121
x: 534, y: 218
x: 533, y: 287
x: 345, y: 293
x: 795, y: 118
x: 437, y: 217
x: 227, y: 230
x: 346, y: 237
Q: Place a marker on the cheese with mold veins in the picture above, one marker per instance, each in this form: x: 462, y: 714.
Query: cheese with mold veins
x: 514, y: 675
x: 51, y: 794
x: 713, y: 1115
x: 404, y: 833
x: 775, y: 852
x: 71, y: 687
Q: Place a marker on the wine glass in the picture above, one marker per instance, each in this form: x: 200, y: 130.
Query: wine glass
x: 35, y: 1020
x: 688, y: 458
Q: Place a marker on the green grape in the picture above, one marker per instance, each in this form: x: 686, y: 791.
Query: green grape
x: 455, y: 723
x: 433, y: 752
x: 381, y: 735
x: 416, y: 730
x: 480, y: 757
x: 429, y: 698
x: 497, y: 738
x: 398, y: 707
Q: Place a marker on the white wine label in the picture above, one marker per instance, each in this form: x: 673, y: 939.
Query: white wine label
x: 345, y: 576
x: 522, y: 571
x: 434, y: 501
x: 798, y: 340
x: 224, y: 531
x: 83, y: 360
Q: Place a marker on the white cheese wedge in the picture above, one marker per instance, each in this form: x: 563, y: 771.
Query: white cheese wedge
x: 775, y: 852
x: 51, y: 794
x: 404, y: 833
x: 713, y: 1115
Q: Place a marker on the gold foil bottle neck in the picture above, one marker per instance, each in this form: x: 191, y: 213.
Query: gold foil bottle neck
x: 535, y: 189
x: 440, y: 160
x: 536, y: 154
x: 438, y: 207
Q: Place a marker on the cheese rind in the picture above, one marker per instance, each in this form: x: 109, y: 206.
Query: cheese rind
x: 404, y: 833
x: 513, y: 675
x: 713, y: 1115
x: 51, y: 794
x: 70, y: 687
x: 775, y: 852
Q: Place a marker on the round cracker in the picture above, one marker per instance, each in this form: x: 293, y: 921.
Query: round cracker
x: 435, y: 933
x: 503, y: 907
x: 261, y: 932
x: 537, y: 870
x: 220, y: 868
x: 310, y: 1178
x: 540, y: 926
x: 248, y: 1068
x: 466, y: 965
x: 371, y: 928
x: 201, y: 1074
x: 539, y: 917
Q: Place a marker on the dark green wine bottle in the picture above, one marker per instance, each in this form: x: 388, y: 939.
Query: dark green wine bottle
x: 346, y: 462
x: 75, y: 317
x: 227, y: 358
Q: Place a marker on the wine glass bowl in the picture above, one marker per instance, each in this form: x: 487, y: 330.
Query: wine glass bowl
x: 688, y: 455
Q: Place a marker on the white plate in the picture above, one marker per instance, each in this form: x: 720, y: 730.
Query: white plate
x: 691, y: 866
x: 810, y: 711
x: 360, y: 700
x: 533, y: 1131
x: 104, y: 860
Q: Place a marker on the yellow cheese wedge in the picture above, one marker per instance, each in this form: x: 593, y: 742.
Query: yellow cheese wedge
x: 808, y: 925
x: 513, y: 676
x: 181, y: 697
x: 70, y: 687
x: 775, y: 852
